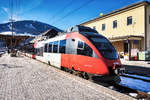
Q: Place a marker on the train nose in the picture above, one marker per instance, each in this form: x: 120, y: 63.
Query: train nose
x: 118, y: 69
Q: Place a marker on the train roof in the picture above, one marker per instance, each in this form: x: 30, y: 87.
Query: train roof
x: 85, y: 31
x: 57, y: 38
x: 79, y: 28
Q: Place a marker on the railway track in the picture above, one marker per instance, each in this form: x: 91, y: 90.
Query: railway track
x: 139, y: 95
x: 131, y: 92
x: 117, y: 87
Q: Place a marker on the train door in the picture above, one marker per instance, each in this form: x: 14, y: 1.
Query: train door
x: 56, y: 56
x: 84, y: 53
x: 41, y: 51
x: 71, y: 50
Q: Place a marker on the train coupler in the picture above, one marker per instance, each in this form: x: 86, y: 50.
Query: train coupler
x: 120, y: 71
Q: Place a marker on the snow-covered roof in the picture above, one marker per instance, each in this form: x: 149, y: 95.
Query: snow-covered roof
x: 17, y: 34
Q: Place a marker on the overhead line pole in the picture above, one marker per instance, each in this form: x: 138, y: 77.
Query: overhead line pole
x: 11, y: 19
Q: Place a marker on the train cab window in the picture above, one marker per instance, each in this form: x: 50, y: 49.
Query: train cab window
x: 88, y: 50
x: 55, y: 47
x: 62, y: 46
x: 84, y: 49
x: 45, y: 48
x: 80, y: 45
x: 50, y: 47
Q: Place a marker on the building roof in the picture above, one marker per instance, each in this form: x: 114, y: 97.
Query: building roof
x: 127, y: 37
x: 126, y: 8
x: 48, y: 34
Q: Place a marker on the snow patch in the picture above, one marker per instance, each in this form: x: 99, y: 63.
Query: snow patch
x: 30, y: 26
x: 9, y: 26
x: 135, y: 84
x: 133, y: 94
x: 17, y: 34
x: 7, y: 33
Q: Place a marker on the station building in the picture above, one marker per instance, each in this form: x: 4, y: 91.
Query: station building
x: 127, y: 28
x: 12, y: 41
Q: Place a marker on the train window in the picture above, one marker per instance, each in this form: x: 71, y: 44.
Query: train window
x: 85, y: 50
x: 45, y: 47
x: 55, y: 47
x: 80, y: 45
x: 86, y: 29
x: 50, y: 47
x: 62, y: 46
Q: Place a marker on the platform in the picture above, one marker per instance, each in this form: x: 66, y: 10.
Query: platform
x: 137, y: 67
x: 24, y: 78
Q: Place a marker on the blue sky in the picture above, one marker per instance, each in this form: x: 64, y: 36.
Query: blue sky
x: 59, y: 12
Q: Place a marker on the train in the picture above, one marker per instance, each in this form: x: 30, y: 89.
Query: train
x: 81, y: 51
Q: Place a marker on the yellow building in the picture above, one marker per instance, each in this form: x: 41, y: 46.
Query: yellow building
x: 127, y: 28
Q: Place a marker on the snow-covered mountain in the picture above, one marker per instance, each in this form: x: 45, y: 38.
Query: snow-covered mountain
x: 26, y: 27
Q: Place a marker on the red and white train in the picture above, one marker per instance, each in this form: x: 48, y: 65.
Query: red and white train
x: 80, y: 50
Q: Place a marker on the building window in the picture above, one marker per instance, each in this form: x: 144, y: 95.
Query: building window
x: 115, y: 24
x: 129, y: 20
x: 103, y: 27
x: 94, y: 27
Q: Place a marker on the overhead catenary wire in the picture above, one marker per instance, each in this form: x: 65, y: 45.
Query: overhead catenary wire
x: 16, y: 8
x: 11, y: 9
x: 93, y: 17
x: 71, y: 12
x: 63, y: 9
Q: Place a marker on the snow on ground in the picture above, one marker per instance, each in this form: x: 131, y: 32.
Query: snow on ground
x: 135, y: 84
x: 17, y: 34
x: 23, y: 78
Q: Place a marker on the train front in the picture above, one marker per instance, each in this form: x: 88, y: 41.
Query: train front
x: 109, y: 56
x: 106, y: 53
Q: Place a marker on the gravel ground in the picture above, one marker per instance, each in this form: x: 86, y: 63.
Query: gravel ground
x: 24, y: 79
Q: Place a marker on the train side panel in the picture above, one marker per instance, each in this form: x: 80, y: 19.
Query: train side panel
x: 53, y: 59
x: 84, y: 63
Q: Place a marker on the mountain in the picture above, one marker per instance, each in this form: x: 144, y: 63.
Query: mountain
x: 26, y: 27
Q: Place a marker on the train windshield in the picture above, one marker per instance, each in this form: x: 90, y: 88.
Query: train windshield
x: 105, y: 47
x: 86, y: 29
